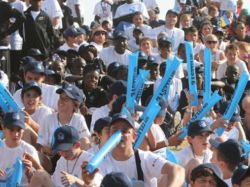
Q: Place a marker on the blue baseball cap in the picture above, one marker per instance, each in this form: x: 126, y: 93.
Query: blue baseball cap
x: 34, y: 66
x: 116, y: 179
x: 118, y: 88
x: 12, y: 119
x: 72, y: 92
x: 71, y: 32
x: 31, y: 85
x: 64, y: 138
x: 197, y: 127
x: 122, y: 117
x: 119, y: 34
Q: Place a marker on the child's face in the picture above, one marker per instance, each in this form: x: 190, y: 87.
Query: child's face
x: 65, y: 104
x: 104, y: 135
x: 91, y: 80
x: 29, y: 77
x: 13, y: 135
x: 192, y: 36
x: 200, y: 142
x: 203, y: 181
x: 138, y: 20
x: 31, y: 100
x: 77, y: 68
x: 69, y: 154
x: 231, y: 56
x: 186, y: 22
x: 146, y: 47
x: 206, y: 29
x: 214, y: 158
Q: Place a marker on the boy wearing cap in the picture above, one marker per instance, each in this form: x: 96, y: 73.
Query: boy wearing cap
x: 68, y: 169
x: 227, y: 156
x: 241, y: 176
x: 199, y: 134
x: 175, y: 34
x: 101, y: 133
x: 70, y: 98
x: 13, y: 146
x: 118, y: 52
x: 34, y: 71
x: 207, y: 175
x: 70, y: 35
x: 138, y: 165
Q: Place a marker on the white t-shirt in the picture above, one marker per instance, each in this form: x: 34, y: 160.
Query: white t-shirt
x: 41, y: 113
x: 93, y: 150
x: 126, y: 9
x: 176, y: 35
x: 186, y: 154
x: 179, y: 73
x: 8, y: 157
x: 66, y: 47
x: 49, y: 96
x: 99, y: 47
x: 146, y: 29
x: 16, y: 41
x: 228, y: 181
x: 133, y: 47
x: 50, y: 123
x: 100, y: 112
x: 221, y: 72
x: 71, y: 4
x: 103, y: 10
x: 198, y: 48
x: 73, y: 167
x: 53, y: 9
x: 158, y: 133
x: 151, y: 165
x: 4, y: 79
x: 174, y: 92
x: 109, y: 55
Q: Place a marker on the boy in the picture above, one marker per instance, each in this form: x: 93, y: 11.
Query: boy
x: 198, y: 137
x: 231, y: 53
x: 68, y: 168
x: 207, y: 173
x: 226, y: 156
x: 138, y: 165
x: 13, y: 145
x: 34, y: 71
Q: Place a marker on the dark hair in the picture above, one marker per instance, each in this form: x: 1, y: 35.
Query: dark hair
x: 91, y: 67
x: 191, y: 29
x: 223, y: 157
x: 206, y: 172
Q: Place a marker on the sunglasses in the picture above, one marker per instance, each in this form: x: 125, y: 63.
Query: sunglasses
x: 98, y: 33
x: 211, y: 42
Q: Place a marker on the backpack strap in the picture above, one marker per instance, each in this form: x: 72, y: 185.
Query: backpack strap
x: 138, y: 166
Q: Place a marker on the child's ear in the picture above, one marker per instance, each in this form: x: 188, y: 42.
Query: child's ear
x: 77, y: 144
x: 189, y: 139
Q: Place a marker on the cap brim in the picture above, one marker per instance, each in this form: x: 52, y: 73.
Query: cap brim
x: 63, y: 147
x: 35, y: 88
x: 15, y: 124
x: 61, y: 90
x: 221, y: 183
x: 122, y: 119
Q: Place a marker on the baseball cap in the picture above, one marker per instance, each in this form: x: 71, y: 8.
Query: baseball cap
x: 112, y: 68
x: 12, y: 119
x: 120, y: 116
x: 101, y: 123
x: 118, y: 88
x: 152, y: 60
x: 35, y: 52
x: 118, y: 179
x: 72, y: 91
x: 236, y: 115
x: 231, y: 150
x: 137, y: 29
x: 31, y: 85
x: 172, y: 11
x: 64, y: 138
x: 197, y: 127
x: 240, y: 174
x: 214, y: 168
x: 70, y: 32
x: 34, y: 66
x: 119, y: 34
x: 163, y: 41
x: 80, y: 31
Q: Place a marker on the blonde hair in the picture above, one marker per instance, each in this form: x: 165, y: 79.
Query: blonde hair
x: 244, y: 46
x: 211, y: 37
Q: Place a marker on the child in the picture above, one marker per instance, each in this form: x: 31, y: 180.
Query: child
x: 199, y: 134
x: 231, y: 53
x: 13, y: 145
x: 207, y: 173
x: 226, y: 156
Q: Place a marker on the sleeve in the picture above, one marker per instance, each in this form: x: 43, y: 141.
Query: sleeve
x: 56, y: 177
x: 56, y: 10
x: 220, y: 71
x: 43, y: 132
x: 152, y: 164
x: 96, y: 10
x: 82, y: 128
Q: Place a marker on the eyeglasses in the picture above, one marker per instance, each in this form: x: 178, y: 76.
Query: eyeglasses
x: 99, y: 33
x: 212, y: 42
